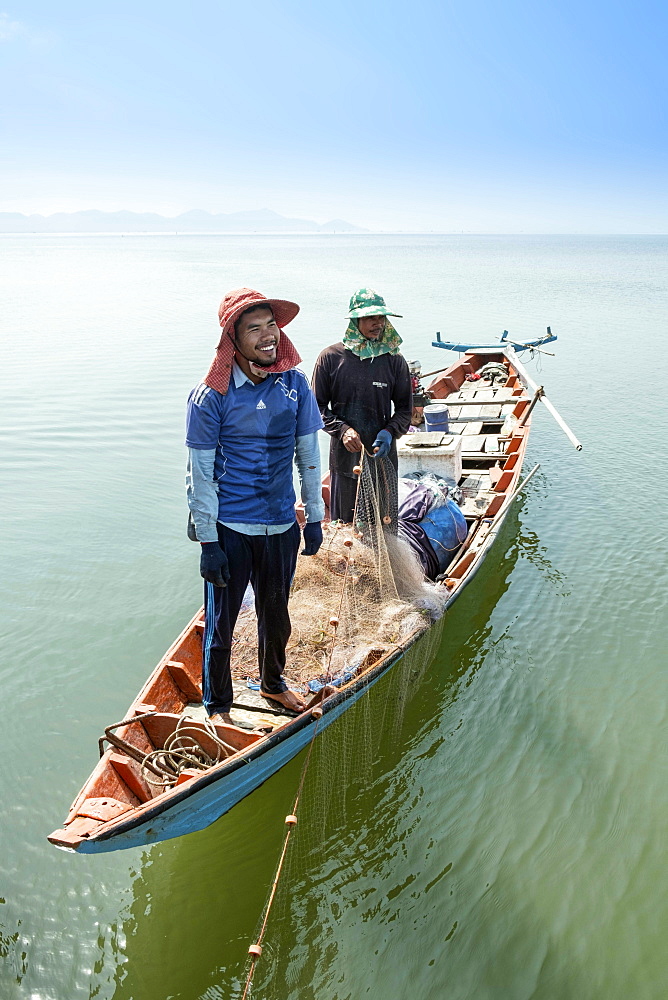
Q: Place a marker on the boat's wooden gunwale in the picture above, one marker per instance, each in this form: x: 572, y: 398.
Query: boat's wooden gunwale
x: 104, y: 761
x: 147, y: 811
x: 468, y: 562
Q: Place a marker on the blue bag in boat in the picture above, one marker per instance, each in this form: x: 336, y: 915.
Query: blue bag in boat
x: 446, y: 529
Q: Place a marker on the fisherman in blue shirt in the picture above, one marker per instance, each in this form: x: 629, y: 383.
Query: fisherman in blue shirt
x: 251, y: 417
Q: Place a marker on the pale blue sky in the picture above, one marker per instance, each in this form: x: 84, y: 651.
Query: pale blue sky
x: 460, y: 115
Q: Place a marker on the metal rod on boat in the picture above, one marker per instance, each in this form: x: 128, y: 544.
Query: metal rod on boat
x: 528, y: 347
x: 527, y: 413
x: 507, y: 502
x: 437, y: 372
x: 469, y: 538
x: 529, y: 382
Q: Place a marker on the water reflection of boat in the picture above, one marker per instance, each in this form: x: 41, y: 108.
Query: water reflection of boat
x: 415, y: 701
x: 118, y: 808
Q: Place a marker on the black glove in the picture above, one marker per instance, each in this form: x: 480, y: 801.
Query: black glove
x: 213, y: 564
x: 312, y: 538
x: 382, y: 444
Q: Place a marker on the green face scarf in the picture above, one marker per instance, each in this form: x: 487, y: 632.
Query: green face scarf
x: 389, y: 343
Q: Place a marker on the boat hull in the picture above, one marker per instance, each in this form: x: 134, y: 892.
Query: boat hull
x: 213, y: 795
x: 114, y: 814
x: 203, y: 805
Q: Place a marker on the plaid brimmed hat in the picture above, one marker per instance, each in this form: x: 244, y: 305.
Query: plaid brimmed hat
x: 240, y: 299
x: 229, y: 311
x: 366, y: 302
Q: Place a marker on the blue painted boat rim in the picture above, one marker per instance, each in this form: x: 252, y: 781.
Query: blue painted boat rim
x: 159, y: 805
x: 498, y: 348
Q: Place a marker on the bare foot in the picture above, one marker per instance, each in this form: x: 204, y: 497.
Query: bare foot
x: 288, y: 699
x: 221, y: 718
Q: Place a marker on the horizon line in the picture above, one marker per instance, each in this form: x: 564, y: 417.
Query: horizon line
x: 297, y: 232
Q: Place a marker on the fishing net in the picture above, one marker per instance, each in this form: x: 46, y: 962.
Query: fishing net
x: 329, y: 843
x: 364, y: 592
x: 362, y: 595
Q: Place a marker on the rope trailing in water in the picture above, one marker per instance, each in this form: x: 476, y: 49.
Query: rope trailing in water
x: 255, y: 950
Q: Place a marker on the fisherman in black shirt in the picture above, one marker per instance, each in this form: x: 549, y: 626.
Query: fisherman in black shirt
x: 363, y: 389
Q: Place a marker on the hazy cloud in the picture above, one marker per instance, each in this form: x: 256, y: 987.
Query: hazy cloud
x: 9, y: 29
x: 138, y: 112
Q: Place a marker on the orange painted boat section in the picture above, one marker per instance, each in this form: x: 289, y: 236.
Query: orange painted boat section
x: 117, y: 787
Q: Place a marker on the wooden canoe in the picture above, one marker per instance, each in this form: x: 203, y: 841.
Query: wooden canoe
x: 117, y: 808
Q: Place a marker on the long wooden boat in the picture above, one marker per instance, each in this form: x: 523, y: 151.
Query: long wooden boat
x: 118, y: 808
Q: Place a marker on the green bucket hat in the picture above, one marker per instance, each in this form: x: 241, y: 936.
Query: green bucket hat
x: 366, y: 302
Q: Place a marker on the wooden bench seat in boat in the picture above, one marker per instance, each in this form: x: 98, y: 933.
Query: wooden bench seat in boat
x: 150, y: 733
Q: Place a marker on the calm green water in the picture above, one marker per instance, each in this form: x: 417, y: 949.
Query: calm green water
x: 490, y: 823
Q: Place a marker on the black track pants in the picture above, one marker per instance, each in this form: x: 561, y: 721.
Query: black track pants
x: 268, y: 562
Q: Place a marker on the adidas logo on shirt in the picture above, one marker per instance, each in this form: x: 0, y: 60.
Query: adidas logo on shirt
x: 261, y: 406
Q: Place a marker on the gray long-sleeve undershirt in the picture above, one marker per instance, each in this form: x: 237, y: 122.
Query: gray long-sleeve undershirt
x: 202, y: 490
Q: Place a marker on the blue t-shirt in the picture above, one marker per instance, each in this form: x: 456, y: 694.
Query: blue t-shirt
x: 253, y: 430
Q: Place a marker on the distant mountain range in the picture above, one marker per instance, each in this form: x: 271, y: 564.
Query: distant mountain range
x: 260, y: 221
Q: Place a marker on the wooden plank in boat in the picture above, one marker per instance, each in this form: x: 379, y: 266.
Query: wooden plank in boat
x: 478, y: 493
x: 476, y: 506
x: 490, y: 411
x: 474, y: 481
x: 473, y: 442
x: 492, y: 444
x: 474, y: 401
x: 474, y: 484
x: 473, y: 427
x: 425, y: 439
x: 249, y: 711
x: 457, y: 423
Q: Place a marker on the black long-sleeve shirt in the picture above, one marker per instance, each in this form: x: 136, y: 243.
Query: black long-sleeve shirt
x: 367, y: 394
